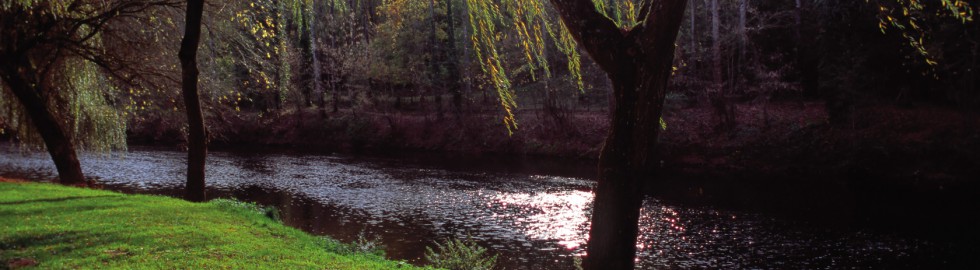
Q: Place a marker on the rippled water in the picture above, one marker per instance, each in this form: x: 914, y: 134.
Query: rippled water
x: 534, y: 221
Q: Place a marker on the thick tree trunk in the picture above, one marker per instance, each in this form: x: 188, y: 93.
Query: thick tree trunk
x: 638, y: 62
x: 616, y: 209
x: 56, y: 139
x: 197, y: 134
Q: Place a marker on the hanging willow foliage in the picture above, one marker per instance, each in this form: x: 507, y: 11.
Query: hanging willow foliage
x: 96, y: 125
x: 909, y: 17
x: 532, y: 20
x: 77, y: 88
x: 81, y: 99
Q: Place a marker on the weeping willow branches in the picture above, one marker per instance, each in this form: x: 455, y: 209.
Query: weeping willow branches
x: 909, y: 18
x: 62, y: 48
x: 83, y: 99
x: 534, y: 24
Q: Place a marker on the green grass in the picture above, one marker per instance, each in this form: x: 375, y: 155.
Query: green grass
x: 66, y: 227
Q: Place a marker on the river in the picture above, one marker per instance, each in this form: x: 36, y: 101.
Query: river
x: 534, y: 217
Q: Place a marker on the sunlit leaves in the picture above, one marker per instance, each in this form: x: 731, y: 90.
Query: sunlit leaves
x: 57, y: 8
x: 908, y: 17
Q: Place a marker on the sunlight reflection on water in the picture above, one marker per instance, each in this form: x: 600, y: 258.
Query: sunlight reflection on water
x: 560, y: 216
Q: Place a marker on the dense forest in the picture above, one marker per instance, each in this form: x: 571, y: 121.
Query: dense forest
x: 692, y: 89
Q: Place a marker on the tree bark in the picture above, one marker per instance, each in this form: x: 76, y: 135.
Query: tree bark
x: 451, y: 65
x: 638, y: 62
x: 56, y: 138
x: 716, y: 46
x: 315, y: 61
x: 743, y: 6
x: 807, y: 61
x: 718, y: 93
x: 434, y: 62
x: 694, y: 39
x: 197, y: 134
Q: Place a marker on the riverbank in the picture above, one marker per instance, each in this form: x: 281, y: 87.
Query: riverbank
x: 911, y: 143
x: 884, y: 165
x: 56, y: 227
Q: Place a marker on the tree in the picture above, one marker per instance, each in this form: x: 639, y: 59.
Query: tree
x: 635, y: 49
x: 638, y: 61
x: 724, y: 109
x: 46, y: 45
x: 197, y: 148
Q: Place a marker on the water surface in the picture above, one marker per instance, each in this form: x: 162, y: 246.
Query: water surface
x: 533, y: 219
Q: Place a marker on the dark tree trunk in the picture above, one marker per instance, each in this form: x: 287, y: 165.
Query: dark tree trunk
x: 465, y: 76
x: 716, y: 47
x: 56, y: 139
x: 197, y: 148
x: 743, y: 6
x: 451, y: 65
x: 336, y: 97
x: 322, y: 101
x: 694, y: 38
x: 434, y: 62
x: 332, y: 81
x: 638, y: 62
x: 806, y: 60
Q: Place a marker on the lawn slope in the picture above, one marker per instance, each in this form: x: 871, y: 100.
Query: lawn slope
x: 51, y: 226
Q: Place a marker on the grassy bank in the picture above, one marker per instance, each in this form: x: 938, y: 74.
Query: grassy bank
x: 50, y: 226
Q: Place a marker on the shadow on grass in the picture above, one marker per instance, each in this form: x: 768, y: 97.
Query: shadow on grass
x: 90, y: 245
x: 62, y: 199
x: 47, y: 239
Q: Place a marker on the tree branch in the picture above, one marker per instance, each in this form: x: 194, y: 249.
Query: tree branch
x: 659, y: 29
x: 597, y: 34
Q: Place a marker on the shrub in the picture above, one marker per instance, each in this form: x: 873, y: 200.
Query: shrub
x: 456, y: 254
x: 363, y: 245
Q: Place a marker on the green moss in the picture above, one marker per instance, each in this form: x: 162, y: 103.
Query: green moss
x: 66, y: 227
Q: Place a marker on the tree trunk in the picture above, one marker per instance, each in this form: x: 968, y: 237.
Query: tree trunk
x: 743, y: 6
x: 197, y: 134
x: 716, y: 47
x: 434, y: 58
x: 807, y: 61
x: 451, y: 64
x: 718, y: 96
x: 638, y: 62
x: 56, y: 139
x: 317, y: 88
x: 694, y: 38
x: 465, y: 75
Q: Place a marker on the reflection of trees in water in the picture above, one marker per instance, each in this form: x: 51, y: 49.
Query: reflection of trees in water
x: 256, y: 164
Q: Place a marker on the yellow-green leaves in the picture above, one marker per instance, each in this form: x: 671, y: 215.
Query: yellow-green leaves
x: 907, y: 16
